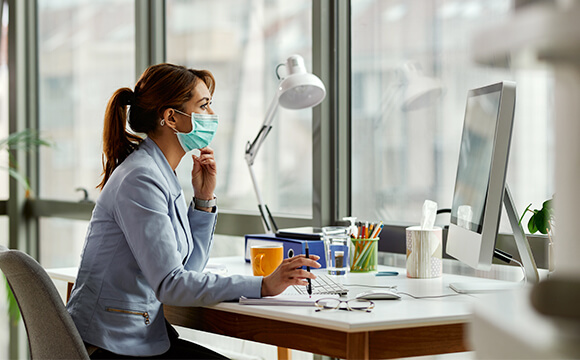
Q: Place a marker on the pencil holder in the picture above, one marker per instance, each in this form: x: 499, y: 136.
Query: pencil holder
x: 365, y: 255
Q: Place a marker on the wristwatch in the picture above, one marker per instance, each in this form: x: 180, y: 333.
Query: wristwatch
x: 205, y: 203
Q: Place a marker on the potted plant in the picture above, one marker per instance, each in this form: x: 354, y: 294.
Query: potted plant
x: 22, y: 140
x: 542, y: 221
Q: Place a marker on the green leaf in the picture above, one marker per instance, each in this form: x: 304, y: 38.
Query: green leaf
x: 532, y: 224
x: 26, y: 139
x: 19, y: 177
x: 548, y: 208
x: 13, y: 309
x: 542, y: 221
x: 524, y: 213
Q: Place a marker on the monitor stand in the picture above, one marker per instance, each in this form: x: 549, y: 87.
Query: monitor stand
x: 523, y: 247
x: 480, y: 287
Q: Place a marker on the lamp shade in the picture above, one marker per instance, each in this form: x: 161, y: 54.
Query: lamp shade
x: 422, y: 91
x: 300, y: 90
x: 422, y: 94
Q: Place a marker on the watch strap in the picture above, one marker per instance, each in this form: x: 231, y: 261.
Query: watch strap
x: 205, y: 203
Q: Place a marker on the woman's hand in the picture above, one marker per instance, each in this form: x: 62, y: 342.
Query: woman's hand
x: 289, y: 273
x: 203, y: 175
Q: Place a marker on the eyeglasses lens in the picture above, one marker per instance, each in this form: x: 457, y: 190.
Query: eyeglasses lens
x: 360, y: 304
x: 327, y: 304
x: 354, y: 304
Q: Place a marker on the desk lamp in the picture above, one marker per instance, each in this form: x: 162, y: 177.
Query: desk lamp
x: 298, y: 90
x: 422, y: 91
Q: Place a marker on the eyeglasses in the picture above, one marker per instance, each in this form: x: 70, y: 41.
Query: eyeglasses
x: 351, y: 305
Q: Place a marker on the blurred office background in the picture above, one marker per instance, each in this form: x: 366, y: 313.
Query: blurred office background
x: 362, y: 153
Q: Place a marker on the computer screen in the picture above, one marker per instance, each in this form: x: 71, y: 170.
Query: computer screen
x: 481, y: 174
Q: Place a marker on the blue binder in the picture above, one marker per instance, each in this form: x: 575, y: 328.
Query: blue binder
x: 291, y: 246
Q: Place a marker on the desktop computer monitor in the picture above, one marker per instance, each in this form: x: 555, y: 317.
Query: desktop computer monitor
x: 480, y: 185
x: 481, y: 173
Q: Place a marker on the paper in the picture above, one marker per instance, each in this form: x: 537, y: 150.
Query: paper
x: 219, y: 269
x: 428, y: 214
x: 285, y: 300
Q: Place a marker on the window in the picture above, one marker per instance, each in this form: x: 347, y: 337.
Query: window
x: 86, y: 51
x: 62, y: 242
x: 401, y: 157
x: 242, y: 42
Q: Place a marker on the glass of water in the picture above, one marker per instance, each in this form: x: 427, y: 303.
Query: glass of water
x: 336, y: 244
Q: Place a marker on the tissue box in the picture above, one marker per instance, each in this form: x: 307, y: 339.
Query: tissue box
x: 291, y: 246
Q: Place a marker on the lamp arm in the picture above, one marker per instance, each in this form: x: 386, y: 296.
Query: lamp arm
x: 253, y: 147
x: 251, y: 151
x: 267, y: 218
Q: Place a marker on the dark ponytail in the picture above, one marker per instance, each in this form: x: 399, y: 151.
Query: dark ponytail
x: 118, y: 143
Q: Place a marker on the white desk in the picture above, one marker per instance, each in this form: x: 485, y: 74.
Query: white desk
x: 395, y: 328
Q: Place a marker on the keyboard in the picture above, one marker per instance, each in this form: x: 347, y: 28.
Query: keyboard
x: 323, y: 284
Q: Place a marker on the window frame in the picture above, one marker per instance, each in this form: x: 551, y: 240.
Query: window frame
x: 331, y: 121
x: 331, y: 127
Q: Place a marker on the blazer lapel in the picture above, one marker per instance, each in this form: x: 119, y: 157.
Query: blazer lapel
x: 180, y: 208
x: 181, y: 211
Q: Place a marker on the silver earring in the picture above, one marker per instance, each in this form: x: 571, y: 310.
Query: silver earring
x: 162, y: 122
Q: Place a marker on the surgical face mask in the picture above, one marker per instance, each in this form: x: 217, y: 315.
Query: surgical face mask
x: 203, y: 129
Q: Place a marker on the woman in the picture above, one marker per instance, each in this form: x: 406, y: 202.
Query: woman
x: 145, y: 247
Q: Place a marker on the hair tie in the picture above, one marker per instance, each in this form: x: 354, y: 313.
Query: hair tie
x: 130, y: 99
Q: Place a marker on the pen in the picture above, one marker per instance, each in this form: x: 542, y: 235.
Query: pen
x: 387, y: 273
x: 309, y: 288
x: 377, y: 231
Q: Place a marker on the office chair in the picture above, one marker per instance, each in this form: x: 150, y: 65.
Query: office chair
x: 51, y: 332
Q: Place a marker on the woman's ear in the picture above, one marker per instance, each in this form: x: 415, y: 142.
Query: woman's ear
x: 169, y: 117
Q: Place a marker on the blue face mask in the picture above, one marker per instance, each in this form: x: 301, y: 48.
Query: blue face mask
x: 204, y: 127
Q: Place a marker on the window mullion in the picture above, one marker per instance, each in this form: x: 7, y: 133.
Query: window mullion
x: 22, y: 114
x: 150, y: 39
x: 331, y: 119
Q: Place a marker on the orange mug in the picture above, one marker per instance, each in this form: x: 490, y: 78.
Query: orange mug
x: 266, y: 258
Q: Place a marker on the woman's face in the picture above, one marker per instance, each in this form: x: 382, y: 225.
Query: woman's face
x: 200, y: 103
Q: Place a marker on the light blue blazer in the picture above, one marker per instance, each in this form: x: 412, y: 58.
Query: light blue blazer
x: 145, y: 247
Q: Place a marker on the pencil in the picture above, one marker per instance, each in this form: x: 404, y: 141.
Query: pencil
x: 377, y: 231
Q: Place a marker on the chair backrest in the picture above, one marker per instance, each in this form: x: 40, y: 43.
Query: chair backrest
x: 51, y: 332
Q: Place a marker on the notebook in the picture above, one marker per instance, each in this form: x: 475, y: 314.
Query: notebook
x: 284, y: 300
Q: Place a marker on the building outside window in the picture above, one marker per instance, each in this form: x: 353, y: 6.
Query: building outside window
x: 402, y: 156
x: 86, y: 51
x: 242, y: 42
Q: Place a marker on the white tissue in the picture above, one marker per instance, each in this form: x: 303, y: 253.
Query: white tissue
x: 428, y: 214
x: 464, y: 216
